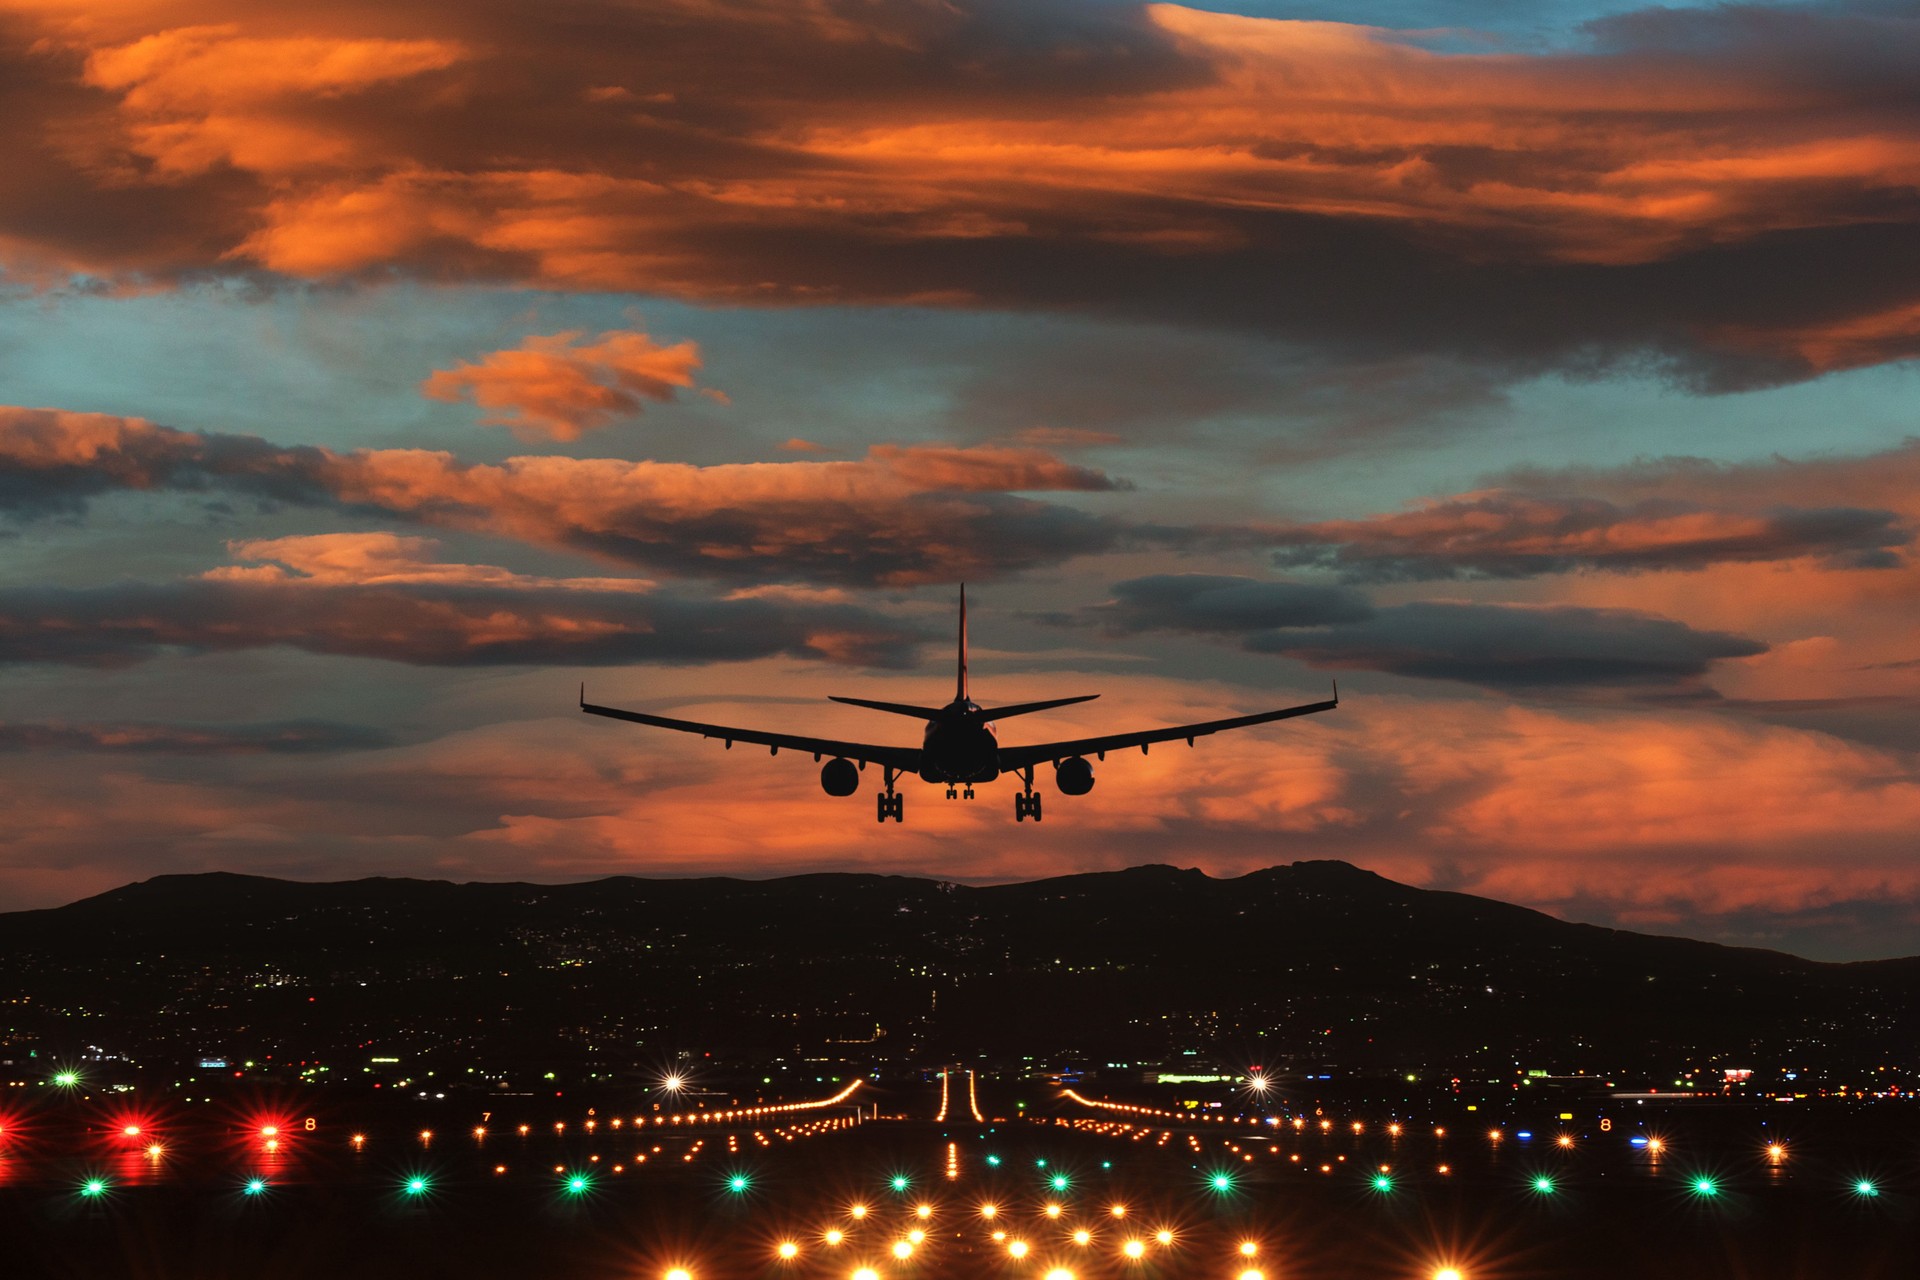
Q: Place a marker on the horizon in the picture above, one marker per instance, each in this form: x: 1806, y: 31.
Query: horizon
x: 937, y: 880
x: 376, y: 374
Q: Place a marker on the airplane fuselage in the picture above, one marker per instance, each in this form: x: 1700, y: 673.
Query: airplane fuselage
x: 960, y: 745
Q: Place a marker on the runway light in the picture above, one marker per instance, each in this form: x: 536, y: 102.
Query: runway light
x: 1544, y: 1185
x: 989, y: 1211
x: 417, y: 1186
x: 1059, y: 1273
x: 93, y: 1188
x: 1061, y: 1182
x: 1251, y: 1275
x: 1134, y: 1249
x: 1053, y: 1210
x: 1865, y: 1188
x: 739, y: 1182
x: 1083, y: 1236
x: 903, y: 1249
x: 1705, y: 1187
x: 1163, y: 1236
x: 866, y: 1273
x: 1448, y: 1273
x: 1776, y: 1152
x: 1382, y: 1182
x: 856, y: 1211
x: 1221, y: 1182
x: 1017, y: 1249
x: 901, y: 1182
x: 833, y: 1237
x: 1248, y: 1248
x: 155, y: 1151
x: 788, y: 1249
x: 359, y: 1141
x: 255, y: 1186
x: 923, y: 1211
x: 1655, y: 1146
x: 1564, y: 1141
x: 679, y: 1273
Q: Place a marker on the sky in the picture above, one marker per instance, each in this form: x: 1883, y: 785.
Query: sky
x: 371, y: 375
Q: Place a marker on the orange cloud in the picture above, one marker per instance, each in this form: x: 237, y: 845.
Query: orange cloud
x: 384, y: 559
x: 559, y: 387
x: 1304, y: 177
x: 903, y: 514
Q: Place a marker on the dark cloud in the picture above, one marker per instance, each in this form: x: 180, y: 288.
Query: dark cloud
x: 434, y: 625
x: 1726, y: 193
x: 1517, y: 646
x: 1225, y: 604
x: 285, y: 737
x: 1516, y: 535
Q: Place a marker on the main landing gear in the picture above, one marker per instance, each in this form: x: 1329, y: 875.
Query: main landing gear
x: 890, y: 803
x: 1027, y: 803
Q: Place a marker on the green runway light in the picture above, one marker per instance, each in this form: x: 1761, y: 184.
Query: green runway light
x: 578, y: 1185
x: 901, y: 1182
x: 1221, y: 1182
x: 1039, y: 1164
x: 1543, y: 1185
x: 739, y: 1182
x: 1706, y: 1187
x: 1381, y: 1182
x: 417, y: 1186
x: 1865, y: 1188
x: 994, y: 1161
x: 255, y: 1186
x: 1060, y: 1182
x: 93, y: 1187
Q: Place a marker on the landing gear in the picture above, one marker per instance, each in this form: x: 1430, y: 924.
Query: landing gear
x: 954, y: 794
x: 890, y: 803
x: 1027, y: 803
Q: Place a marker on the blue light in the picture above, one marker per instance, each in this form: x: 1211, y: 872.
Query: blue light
x: 1524, y: 1134
x: 1636, y: 1142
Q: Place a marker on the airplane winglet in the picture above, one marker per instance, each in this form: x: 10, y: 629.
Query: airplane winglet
x: 583, y: 693
x: 1336, y: 693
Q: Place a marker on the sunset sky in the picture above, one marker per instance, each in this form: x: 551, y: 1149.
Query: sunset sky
x: 373, y: 373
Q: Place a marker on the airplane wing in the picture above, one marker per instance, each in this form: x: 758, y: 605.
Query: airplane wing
x: 905, y: 759
x: 1014, y: 758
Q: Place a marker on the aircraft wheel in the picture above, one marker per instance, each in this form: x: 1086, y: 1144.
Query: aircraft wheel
x: 1034, y: 807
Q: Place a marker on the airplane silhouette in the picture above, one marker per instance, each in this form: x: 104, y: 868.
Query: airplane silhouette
x: 961, y: 746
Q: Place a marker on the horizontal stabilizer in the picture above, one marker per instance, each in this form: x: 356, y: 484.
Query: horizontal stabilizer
x: 1022, y: 708
x: 895, y: 708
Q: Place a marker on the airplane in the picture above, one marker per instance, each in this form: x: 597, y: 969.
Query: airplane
x: 961, y: 746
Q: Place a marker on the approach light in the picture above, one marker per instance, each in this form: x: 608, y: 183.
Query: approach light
x: 989, y: 1211
x: 131, y: 1131
x: 923, y: 1211
x: 1083, y: 1236
x: 1248, y: 1248
x: 1163, y: 1236
x: 1059, y: 1273
x: 1134, y: 1249
x: 1251, y: 1274
x: 856, y: 1211
x: 832, y: 1236
x: 903, y: 1249
x: 1017, y: 1248
x: 788, y: 1249
x: 1448, y: 1273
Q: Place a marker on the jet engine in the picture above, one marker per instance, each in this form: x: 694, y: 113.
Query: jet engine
x: 839, y: 777
x: 1074, y: 777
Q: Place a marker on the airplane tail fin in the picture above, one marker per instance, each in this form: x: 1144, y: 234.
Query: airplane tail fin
x: 960, y: 688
